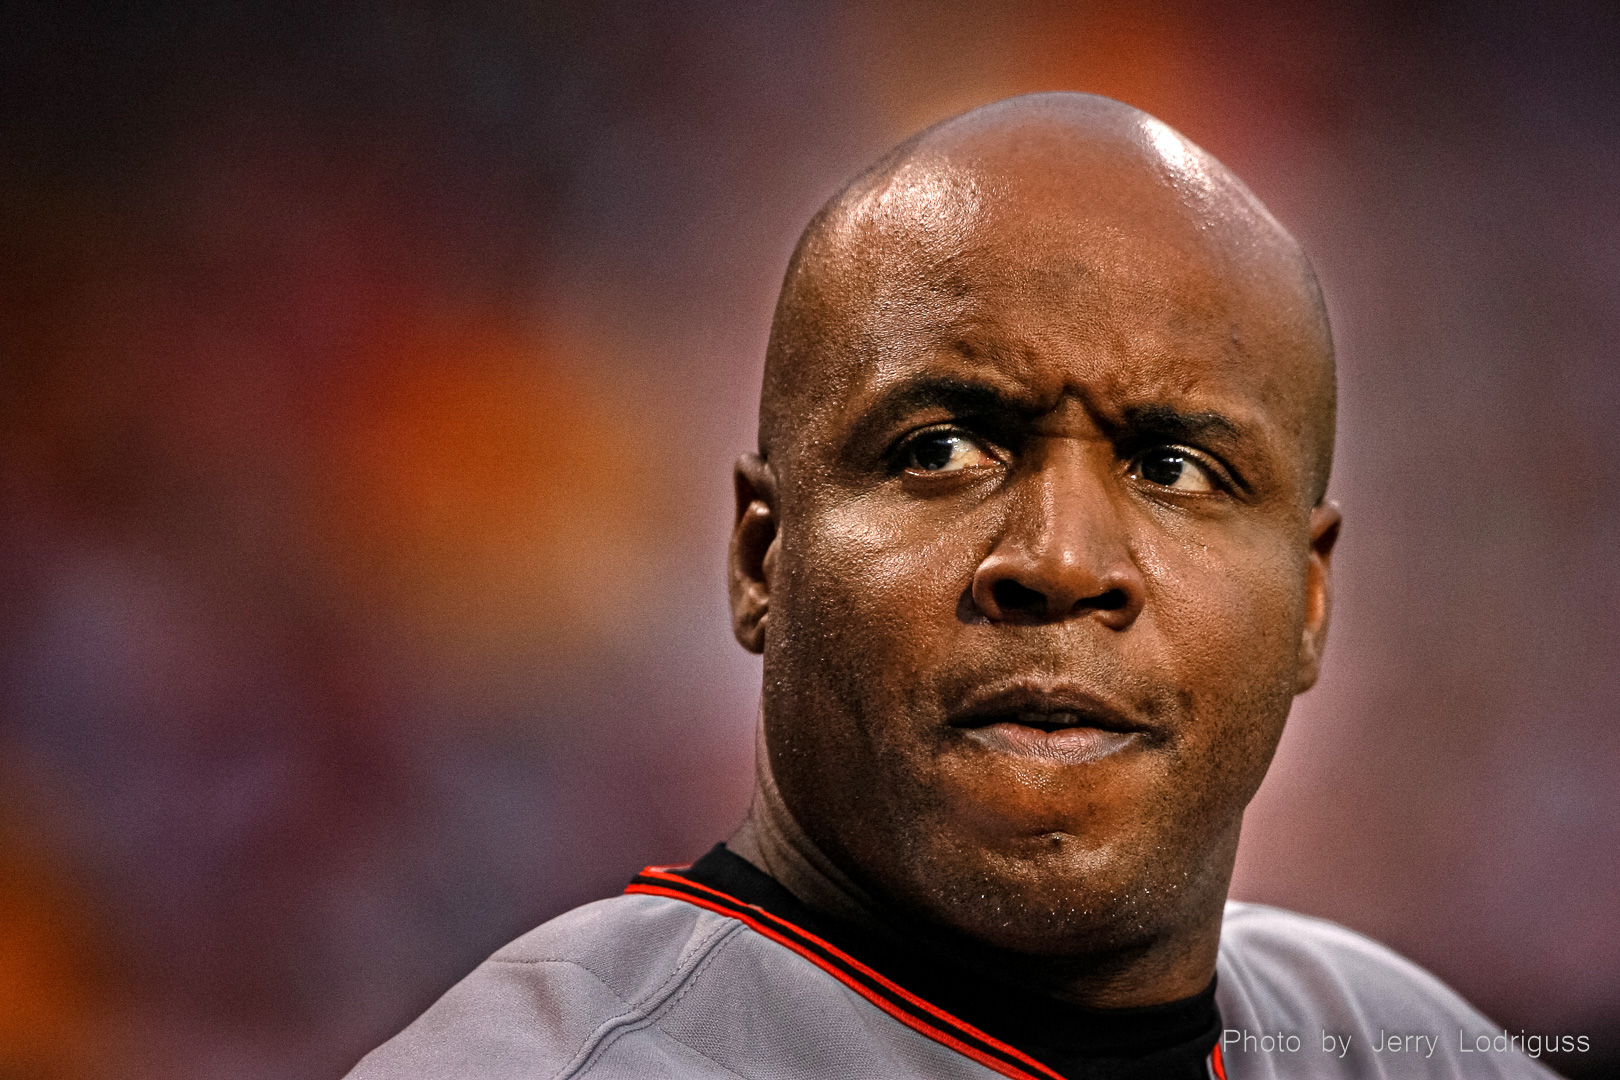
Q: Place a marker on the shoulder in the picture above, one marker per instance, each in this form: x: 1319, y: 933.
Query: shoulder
x: 1293, y: 975
x: 543, y: 1005
x: 640, y: 986
x: 1272, y: 953
x: 629, y: 944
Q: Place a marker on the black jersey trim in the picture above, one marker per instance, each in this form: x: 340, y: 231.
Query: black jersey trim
x: 892, y: 998
x: 712, y: 884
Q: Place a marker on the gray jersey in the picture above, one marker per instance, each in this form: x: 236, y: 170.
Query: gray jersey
x: 666, y: 985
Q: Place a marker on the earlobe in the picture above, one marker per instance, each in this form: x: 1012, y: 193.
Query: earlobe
x: 1326, y: 520
x: 753, y: 553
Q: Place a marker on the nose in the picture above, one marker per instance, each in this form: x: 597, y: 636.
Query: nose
x: 1062, y: 553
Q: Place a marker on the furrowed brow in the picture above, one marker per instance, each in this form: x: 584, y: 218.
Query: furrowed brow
x: 1173, y: 425
x: 958, y: 397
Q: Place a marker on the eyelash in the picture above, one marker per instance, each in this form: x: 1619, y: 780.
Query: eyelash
x: 903, y: 449
x: 1219, y: 475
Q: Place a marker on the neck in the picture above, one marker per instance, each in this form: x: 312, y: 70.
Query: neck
x: 772, y: 840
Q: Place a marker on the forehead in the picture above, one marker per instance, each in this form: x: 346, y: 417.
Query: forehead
x: 1111, y: 283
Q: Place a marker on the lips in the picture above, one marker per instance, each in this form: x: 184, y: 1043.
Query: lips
x: 1058, y: 723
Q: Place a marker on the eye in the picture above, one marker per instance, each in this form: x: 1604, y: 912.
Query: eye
x: 943, y: 451
x: 1176, y: 469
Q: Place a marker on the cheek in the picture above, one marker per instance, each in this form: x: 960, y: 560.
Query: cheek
x: 865, y: 614
x: 1228, y: 619
x: 1234, y: 595
x: 882, y: 572
x: 862, y: 607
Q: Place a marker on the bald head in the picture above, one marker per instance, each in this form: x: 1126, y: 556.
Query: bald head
x: 1087, y: 200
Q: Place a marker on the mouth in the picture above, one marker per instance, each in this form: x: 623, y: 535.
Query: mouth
x: 1061, y: 724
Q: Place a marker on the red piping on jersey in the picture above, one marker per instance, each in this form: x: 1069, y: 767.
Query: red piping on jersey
x: 912, y: 1021
x: 876, y: 976
x: 725, y: 904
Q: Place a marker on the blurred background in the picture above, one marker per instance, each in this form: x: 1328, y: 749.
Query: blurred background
x: 372, y: 372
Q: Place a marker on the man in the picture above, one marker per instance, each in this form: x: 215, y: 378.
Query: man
x: 1036, y: 550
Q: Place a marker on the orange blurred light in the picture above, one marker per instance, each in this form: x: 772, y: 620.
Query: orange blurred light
x: 484, y: 497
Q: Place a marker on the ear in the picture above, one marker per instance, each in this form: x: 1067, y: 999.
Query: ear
x: 753, y: 551
x: 1325, y: 522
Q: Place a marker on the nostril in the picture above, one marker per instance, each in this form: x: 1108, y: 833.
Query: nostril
x: 1011, y: 596
x: 1017, y: 600
x: 1112, y: 600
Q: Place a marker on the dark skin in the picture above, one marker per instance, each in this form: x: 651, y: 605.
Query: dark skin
x: 1035, y: 548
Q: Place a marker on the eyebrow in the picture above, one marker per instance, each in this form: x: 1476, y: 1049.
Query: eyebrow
x: 1173, y: 425
x: 969, y: 398
x: 962, y: 398
x: 1136, y: 427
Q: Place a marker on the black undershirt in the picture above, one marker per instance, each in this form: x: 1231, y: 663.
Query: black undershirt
x: 1163, y: 1042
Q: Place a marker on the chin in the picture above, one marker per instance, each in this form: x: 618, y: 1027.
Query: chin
x: 1054, y: 895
